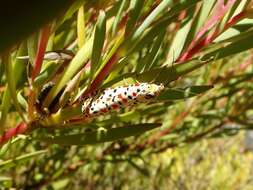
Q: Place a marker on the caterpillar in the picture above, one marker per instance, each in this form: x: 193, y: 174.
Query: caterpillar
x: 120, y: 97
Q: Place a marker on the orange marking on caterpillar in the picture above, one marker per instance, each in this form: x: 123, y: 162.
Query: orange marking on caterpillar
x: 115, y: 106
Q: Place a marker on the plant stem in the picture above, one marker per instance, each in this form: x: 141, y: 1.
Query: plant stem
x: 13, y: 132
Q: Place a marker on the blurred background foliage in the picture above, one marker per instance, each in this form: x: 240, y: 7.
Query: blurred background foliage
x: 196, y: 135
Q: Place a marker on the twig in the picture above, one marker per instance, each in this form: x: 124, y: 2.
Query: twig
x: 44, y: 36
x: 13, y: 132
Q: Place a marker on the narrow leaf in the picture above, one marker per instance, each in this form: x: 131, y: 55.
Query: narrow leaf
x: 243, y: 44
x: 145, y: 24
x: 76, y: 63
x: 147, y: 61
x: 118, y: 17
x: 80, y: 27
x: 32, y: 42
x: 98, y: 43
x: 162, y: 75
x: 12, y: 79
x: 134, y: 13
x: 5, y: 106
x: 20, y: 159
x: 46, y: 74
x: 102, y: 136
x: 175, y: 94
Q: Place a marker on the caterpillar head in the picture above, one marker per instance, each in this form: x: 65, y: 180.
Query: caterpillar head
x: 149, y: 91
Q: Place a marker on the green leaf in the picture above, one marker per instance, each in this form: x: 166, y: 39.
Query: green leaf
x: 118, y: 17
x: 175, y: 94
x: 178, y: 41
x: 200, y: 19
x: 5, y: 106
x: 46, y: 74
x: 151, y: 34
x: 151, y: 17
x: 134, y: 13
x: 168, y: 74
x: 80, y: 27
x: 16, y: 69
x: 99, y: 38
x: 20, y: 159
x: 12, y: 75
x: 102, y: 136
x: 32, y: 42
x: 244, y: 25
x: 241, y: 44
x: 163, y: 74
x: 76, y: 63
x: 148, y: 60
x: 21, y: 100
x: 148, y: 36
x: 73, y: 8
x: 4, y: 148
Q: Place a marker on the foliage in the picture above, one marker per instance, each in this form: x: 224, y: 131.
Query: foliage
x: 199, y: 50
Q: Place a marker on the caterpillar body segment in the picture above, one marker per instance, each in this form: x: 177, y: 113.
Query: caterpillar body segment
x: 120, y: 97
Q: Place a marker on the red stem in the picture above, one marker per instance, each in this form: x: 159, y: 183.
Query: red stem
x: 44, y: 36
x: 191, y: 52
x: 197, y: 44
x: 12, y: 132
x: 235, y: 19
x: 209, y: 39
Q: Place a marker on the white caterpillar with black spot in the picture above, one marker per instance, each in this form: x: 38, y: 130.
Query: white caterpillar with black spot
x: 120, y: 97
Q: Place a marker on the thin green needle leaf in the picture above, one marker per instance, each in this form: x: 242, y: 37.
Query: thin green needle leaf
x: 77, y: 62
x: 175, y: 94
x: 80, y: 27
x: 98, y: 43
x: 147, y: 62
x: 102, y: 136
x: 244, y: 43
x: 158, y: 10
x: 12, y: 79
x: 163, y: 74
x: 46, y: 74
x: 20, y: 159
x: 134, y: 13
x: 118, y: 17
x: 22, y: 101
x: 32, y: 42
x: 163, y: 23
x: 178, y: 42
x: 72, y: 9
x: 6, y: 103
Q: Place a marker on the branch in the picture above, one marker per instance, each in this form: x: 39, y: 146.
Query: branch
x: 21, y: 128
x: 44, y: 36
